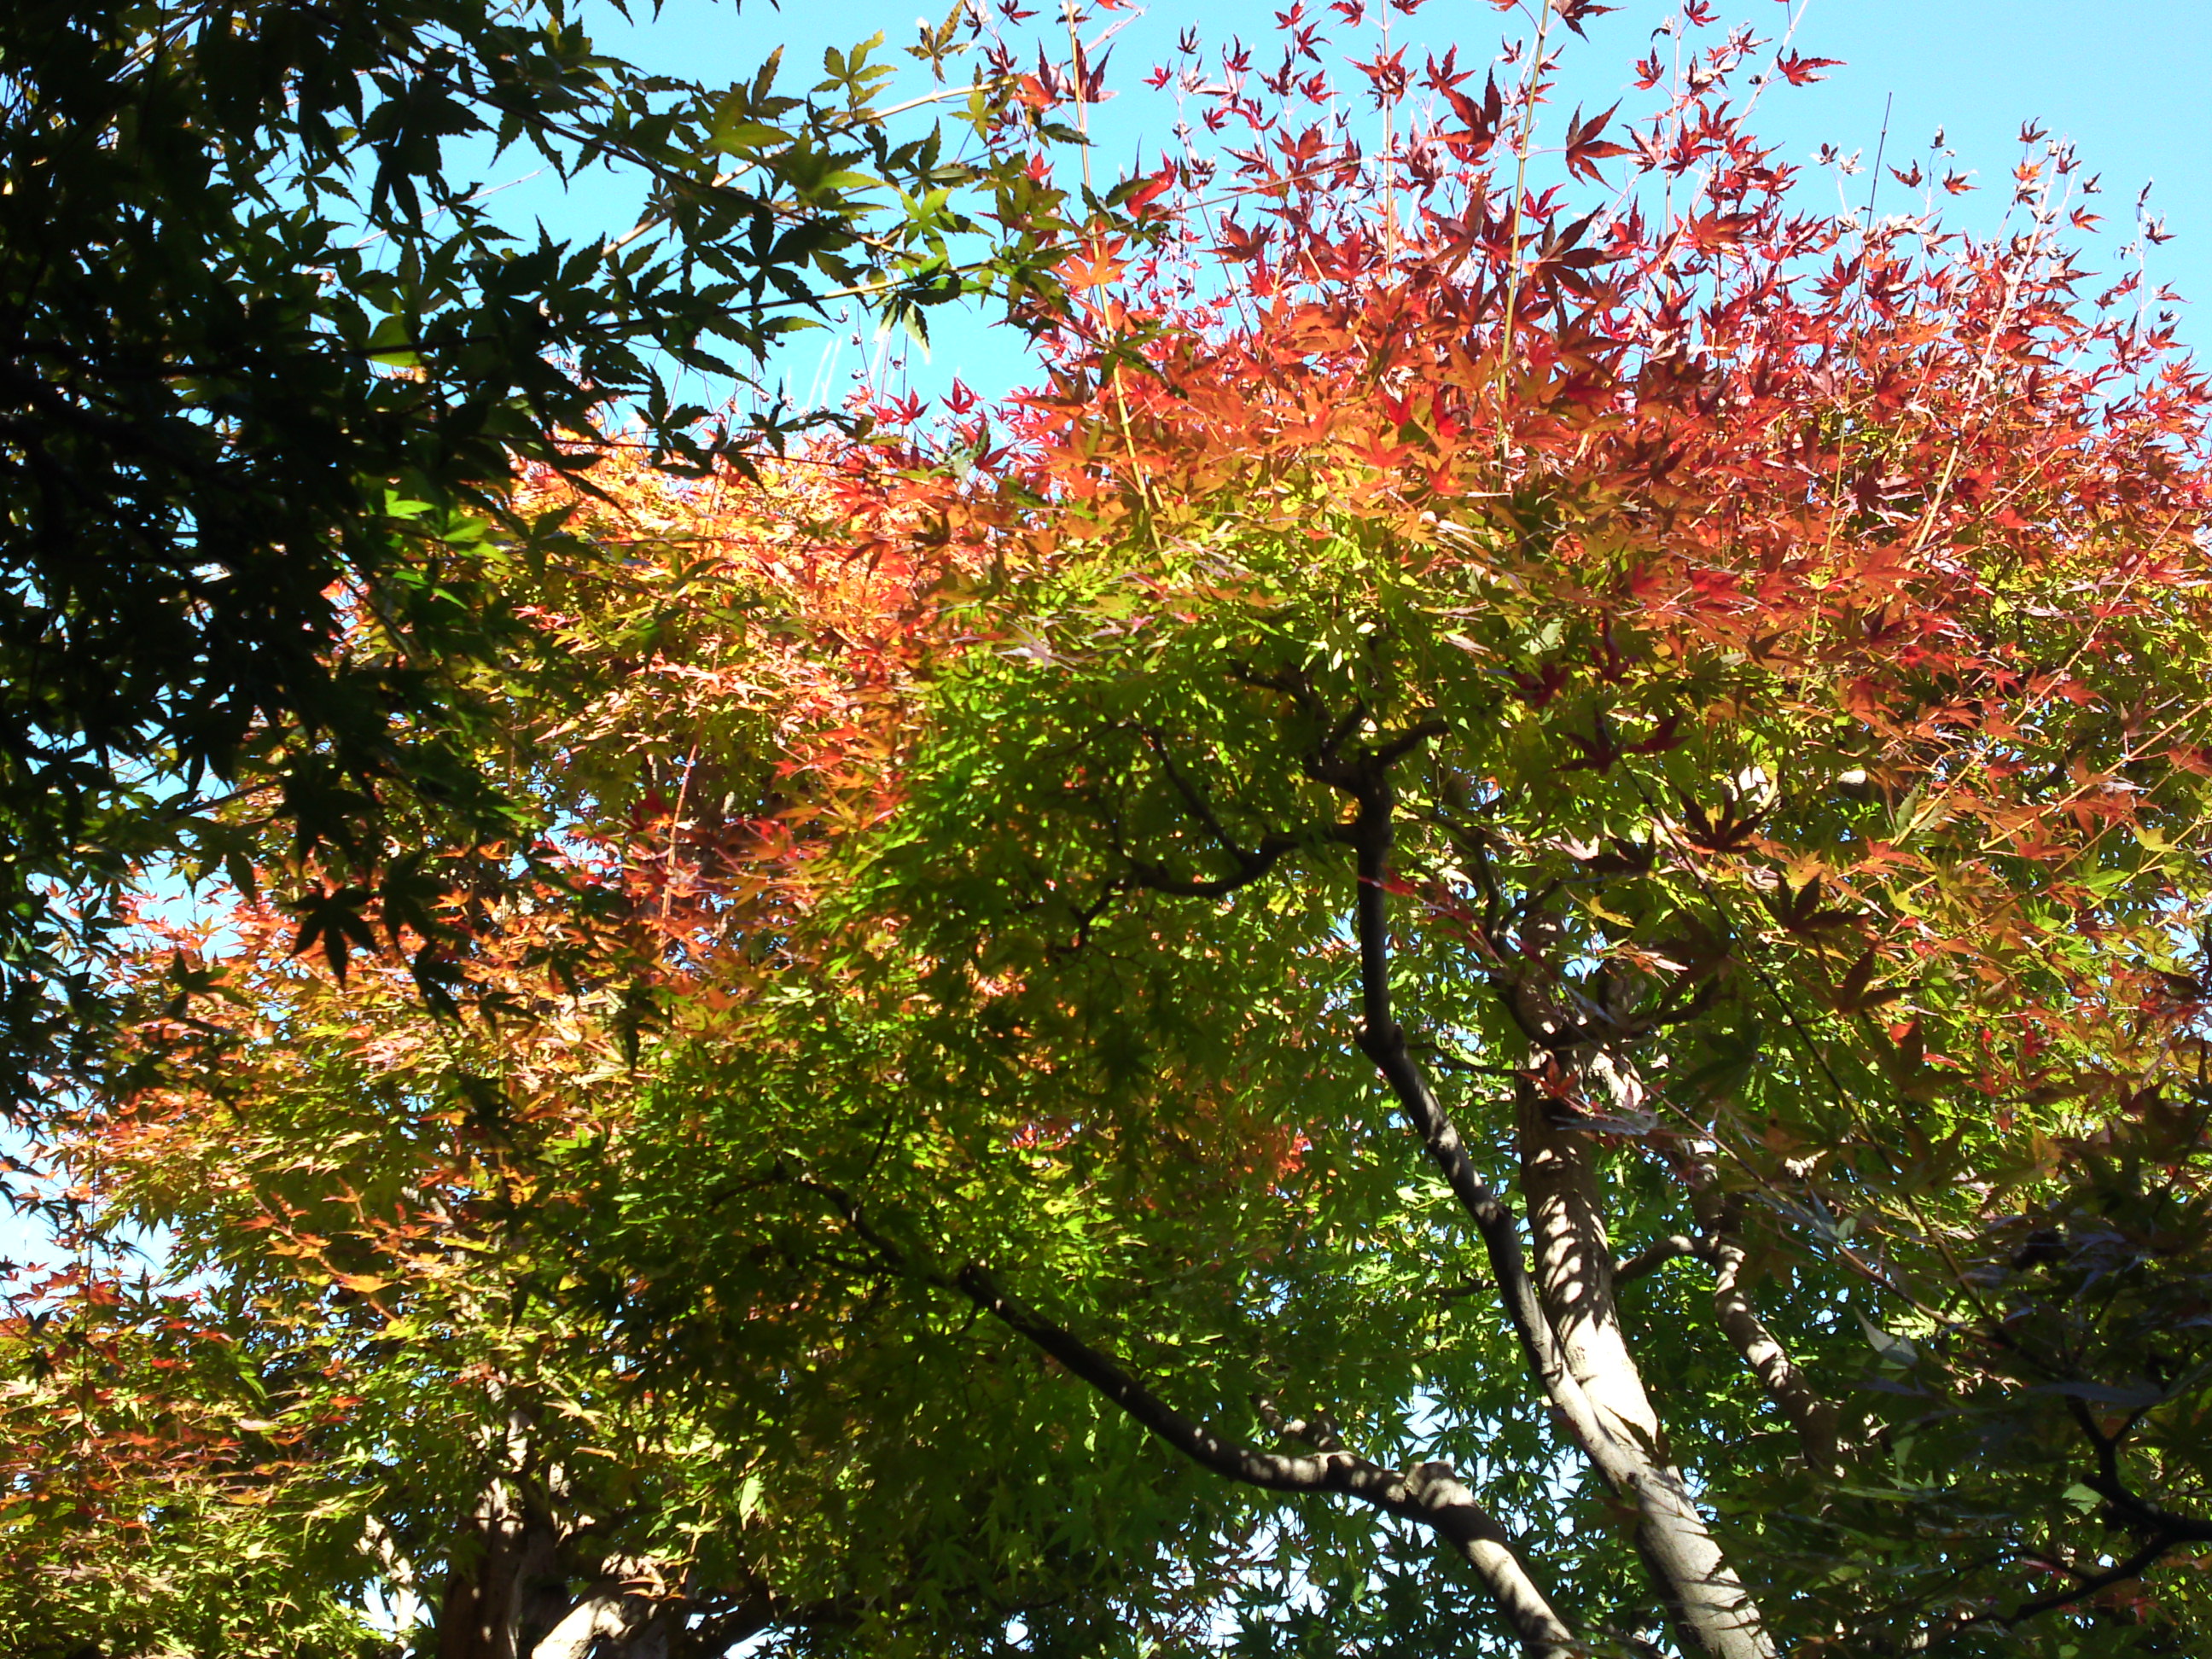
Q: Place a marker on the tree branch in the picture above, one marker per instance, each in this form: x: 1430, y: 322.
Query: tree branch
x: 1818, y: 1420
x: 1252, y: 863
x: 1704, y: 1592
x: 2107, y: 1484
x: 609, y: 1615
x: 1320, y: 1432
x: 1430, y: 1494
x: 1653, y: 1256
x: 2133, y: 1566
x: 2159, y: 1529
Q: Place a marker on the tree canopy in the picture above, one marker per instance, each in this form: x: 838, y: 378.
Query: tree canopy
x: 272, y: 356
x: 1491, y: 938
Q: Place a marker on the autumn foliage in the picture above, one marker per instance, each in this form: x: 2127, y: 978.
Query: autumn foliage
x: 1490, y: 936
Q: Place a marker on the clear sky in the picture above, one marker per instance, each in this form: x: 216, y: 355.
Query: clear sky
x: 2126, y: 80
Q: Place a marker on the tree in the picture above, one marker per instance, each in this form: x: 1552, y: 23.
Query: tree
x: 372, y: 1361
x: 1502, y: 908
x: 271, y: 360
x: 1731, y: 685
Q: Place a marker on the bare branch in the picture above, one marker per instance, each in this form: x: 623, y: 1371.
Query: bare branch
x: 1653, y: 1256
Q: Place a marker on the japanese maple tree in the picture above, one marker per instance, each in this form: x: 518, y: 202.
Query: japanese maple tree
x: 383, y: 1359
x: 1492, y: 938
x: 1701, y: 699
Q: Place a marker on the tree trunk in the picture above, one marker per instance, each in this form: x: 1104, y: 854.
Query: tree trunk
x: 507, y: 1592
x: 1574, y: 1273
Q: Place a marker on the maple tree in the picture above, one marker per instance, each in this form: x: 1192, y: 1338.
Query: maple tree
x: 387, y: 1351
x: 1492, y: 938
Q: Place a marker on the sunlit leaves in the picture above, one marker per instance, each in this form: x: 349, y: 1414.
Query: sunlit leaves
x: 1782, y: 641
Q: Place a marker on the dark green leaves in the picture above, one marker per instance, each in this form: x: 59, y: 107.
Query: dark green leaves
x: 269, y: 364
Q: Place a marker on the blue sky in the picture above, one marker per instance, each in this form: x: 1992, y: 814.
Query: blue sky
x: 2124, y: 79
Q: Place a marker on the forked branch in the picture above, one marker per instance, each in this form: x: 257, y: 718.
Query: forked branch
x: 2158, y: 1532
x: 1707, y: 1598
